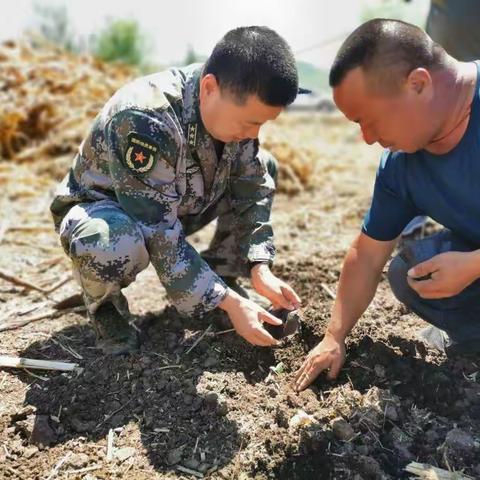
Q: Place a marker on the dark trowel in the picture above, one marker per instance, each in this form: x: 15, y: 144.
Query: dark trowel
x: 291, y: 323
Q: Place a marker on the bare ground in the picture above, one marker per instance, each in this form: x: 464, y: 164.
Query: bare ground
x: 218, y: 410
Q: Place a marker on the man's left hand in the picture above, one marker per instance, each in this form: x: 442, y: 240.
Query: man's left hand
x: 446, y: 274
x: 280, y: 294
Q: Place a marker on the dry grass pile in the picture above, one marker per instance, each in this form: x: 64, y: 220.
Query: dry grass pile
x: 317, y: 150
x: 296, y: 165
x: 48, y: 98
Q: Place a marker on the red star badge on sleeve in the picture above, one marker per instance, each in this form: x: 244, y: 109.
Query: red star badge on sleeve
x: 141, y: 153
x: 140, y: 157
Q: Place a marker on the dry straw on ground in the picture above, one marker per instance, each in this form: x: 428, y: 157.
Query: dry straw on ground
x: 48, y: 98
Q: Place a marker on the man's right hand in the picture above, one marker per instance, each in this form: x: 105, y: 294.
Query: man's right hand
x: 247, y: 317
x: 329, y: 355
x: 361, y: 272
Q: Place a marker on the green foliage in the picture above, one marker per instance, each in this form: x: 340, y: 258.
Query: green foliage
x: 396, y: 9
x: 312, y: 77
x: 122, y: 41
x: 191, y: 56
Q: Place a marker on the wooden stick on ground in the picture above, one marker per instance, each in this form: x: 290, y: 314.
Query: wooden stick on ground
x: 21, y: 362
x: 83, y: 470
x: 189, y: 471
x: 21, y: 322
x: 43, y: 248
x: 50, y: 262
x: 58, y: 466
x: 428, y: 472
x: 108, y: 417
x: 18, y: 281
x: 75, y: 300
x: 168, y: 366
x: 43, y: 379
x: 225, y: 331
x: 67, y: 349
x: 4, y: 226
x: 60, y: 283
x: 199, y: 339
x: 31, y: 228
x: 110, y: 445
x: 328, y: 290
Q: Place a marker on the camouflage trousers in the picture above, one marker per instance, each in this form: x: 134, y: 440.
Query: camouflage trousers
x: 108, y: 251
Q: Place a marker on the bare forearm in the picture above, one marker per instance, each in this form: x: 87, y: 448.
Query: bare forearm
x: 361, y: 272
x: 358, y: 283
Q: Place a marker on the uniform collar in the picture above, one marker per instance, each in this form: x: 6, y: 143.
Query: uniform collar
x: 191, y: 109
x: 192, y: 122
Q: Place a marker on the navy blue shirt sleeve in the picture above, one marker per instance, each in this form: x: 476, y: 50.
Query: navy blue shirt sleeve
x: 391, y: 209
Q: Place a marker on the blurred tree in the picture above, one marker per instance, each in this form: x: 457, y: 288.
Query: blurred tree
x: 413, y: 12
x: 191, y: 56
x: 53, y: 23
x: 122, y: 41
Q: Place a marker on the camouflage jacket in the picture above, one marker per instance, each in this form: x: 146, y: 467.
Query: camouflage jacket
x: 148, y: 150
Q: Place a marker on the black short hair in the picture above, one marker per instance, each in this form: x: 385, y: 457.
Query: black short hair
x: 390, y: 48
x: 255, y: 61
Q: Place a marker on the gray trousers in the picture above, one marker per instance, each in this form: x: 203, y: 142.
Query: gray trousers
x: 107, y: 247
x: 454, y: 25
x: 458, y: 316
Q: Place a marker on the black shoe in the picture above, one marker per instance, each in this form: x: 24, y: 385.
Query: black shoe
x: 115, y: 336
x: 232, y: 282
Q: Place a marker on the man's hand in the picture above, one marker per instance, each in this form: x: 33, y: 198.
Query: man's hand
x: 329, y: 355
x: 447, y: 274
x: 247, y: 317
x: 280, y: 294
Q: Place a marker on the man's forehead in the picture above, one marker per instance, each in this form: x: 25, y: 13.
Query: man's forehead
x: 360, y: 93
x: 355, y: 81
x: 255, y: 111
x: 350, y: 95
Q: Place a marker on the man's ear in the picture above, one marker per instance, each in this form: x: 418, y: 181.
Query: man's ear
x: 419, y: 81
x: 208, y: 85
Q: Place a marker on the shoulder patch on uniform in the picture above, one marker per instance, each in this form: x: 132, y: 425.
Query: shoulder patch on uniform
x: 192, y: 135
x: 141, y: 153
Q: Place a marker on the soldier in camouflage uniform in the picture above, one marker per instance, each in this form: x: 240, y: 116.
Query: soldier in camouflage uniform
x: 167, y: 154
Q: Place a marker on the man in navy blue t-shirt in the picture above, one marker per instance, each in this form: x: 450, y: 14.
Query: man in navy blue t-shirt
x: 423, y: 106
